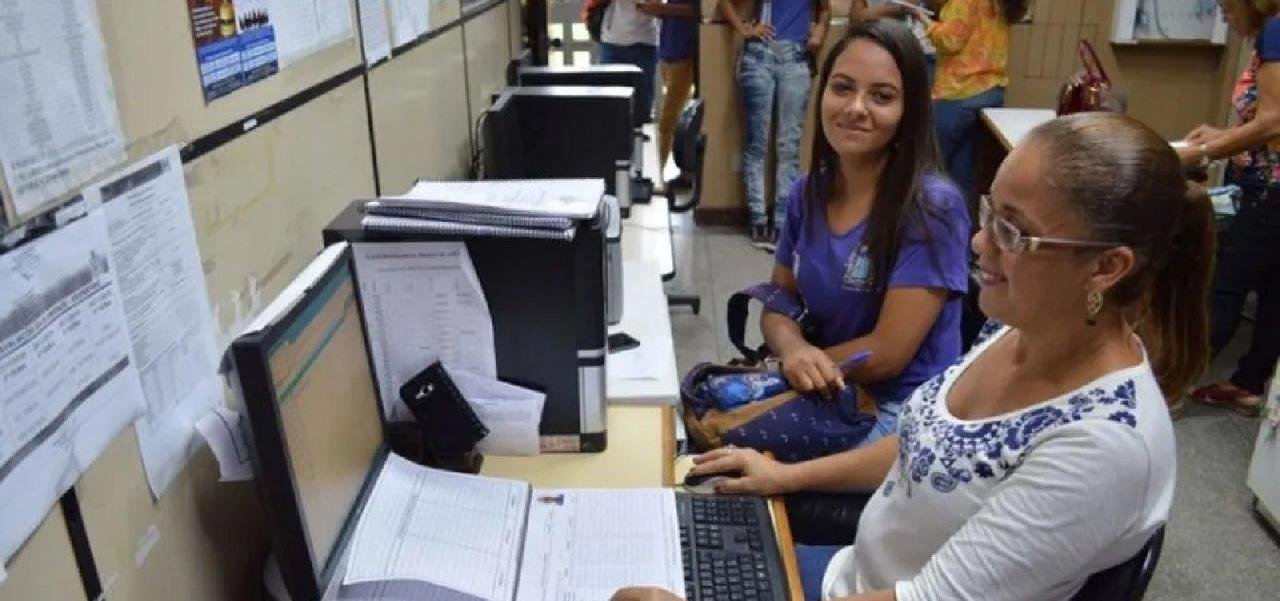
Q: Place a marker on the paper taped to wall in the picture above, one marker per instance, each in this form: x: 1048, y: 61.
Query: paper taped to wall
x: 59, y: 126
x: 153, y: 246
x: 374, y: 31
x: 68, y: 381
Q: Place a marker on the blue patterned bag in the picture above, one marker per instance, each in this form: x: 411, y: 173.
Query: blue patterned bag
x: 753, y: 407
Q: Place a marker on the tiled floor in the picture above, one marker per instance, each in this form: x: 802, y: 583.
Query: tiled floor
x: 1214, y: 549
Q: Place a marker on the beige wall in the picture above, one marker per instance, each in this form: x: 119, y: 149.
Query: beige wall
x: 258, y: 204
x: 1171, y: 87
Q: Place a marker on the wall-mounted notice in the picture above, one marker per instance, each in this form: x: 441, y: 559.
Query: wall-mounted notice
x: 374, y: 31
x: 59, y: 127
x: 68, y: 384
x: 409, y: 19
x: 306, y: 26
x: 235, y: 44
x: 153, y: 247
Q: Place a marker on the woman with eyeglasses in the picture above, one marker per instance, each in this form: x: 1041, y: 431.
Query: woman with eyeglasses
x: 1047, y: 453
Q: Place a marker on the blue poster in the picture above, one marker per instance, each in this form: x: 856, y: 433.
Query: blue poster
x: 235, y: 45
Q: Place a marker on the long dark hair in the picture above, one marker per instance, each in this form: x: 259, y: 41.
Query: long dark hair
x: 913, y: 151
x: 1126, y: 184
x: 1013, y: 10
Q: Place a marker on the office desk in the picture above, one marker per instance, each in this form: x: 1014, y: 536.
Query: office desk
x: 653, y: 379
x: 1010, y: 126
x: 640, y: 453
x: 646, y: 236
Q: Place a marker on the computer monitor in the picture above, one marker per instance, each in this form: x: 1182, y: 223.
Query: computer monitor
x: 586, y: 75
x: 569, y: 131
x: 311, y: 400
x: 503, y: 147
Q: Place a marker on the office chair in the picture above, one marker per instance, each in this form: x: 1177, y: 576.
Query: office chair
x: 688, y: 148
x: 1127, y: 581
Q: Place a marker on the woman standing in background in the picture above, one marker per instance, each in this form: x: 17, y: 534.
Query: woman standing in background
x: 972, y: 42
x: 1249, y: 255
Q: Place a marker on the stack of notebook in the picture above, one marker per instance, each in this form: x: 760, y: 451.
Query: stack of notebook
x: 545, y: 208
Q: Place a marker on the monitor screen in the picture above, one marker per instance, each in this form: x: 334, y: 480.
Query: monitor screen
x: 327, y: 406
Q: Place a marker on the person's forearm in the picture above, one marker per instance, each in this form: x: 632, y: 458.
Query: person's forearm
x: 781, y: 333
x: 875, y: 596
x: 821, y: 23
x: 854, y: 470
x: 868, y: 13
x: 1247, y: 136
x: 730, y: 14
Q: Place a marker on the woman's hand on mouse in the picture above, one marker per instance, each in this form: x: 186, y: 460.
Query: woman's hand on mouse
x: 761, y: 475
x: 808, y: 369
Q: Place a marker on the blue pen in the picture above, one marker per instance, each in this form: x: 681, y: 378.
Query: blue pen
x: 853, y: 361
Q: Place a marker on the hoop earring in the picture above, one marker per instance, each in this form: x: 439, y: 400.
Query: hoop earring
x: 1093, y: 306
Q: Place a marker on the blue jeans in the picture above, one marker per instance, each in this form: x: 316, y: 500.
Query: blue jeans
x: 957, y: 126
x: 767, y: 70
x: 640, y: 55
x: 813, y: 561
x: 886, y: 422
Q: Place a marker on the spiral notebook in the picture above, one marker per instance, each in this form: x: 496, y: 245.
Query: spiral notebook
x: 377, y: 207
x: 572, y: 198
x: 383, y: 223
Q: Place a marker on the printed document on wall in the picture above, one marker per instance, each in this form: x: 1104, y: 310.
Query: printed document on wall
x: 375, y: 33
x: 68, y: 384
x: 59, y: 127
x: 306, y: 26
x: 409, y: 19
x: 153, y: 246
x: 422, y: 303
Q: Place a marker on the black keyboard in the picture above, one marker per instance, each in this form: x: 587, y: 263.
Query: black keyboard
x: 729, y: 551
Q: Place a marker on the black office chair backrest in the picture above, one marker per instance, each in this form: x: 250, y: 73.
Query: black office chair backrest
x: 1127, y: 581
x: 687, y: 149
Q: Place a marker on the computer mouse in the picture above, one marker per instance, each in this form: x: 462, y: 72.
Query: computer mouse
x: 706, y: 483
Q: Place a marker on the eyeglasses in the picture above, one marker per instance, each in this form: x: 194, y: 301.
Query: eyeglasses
x: 1011, y: 239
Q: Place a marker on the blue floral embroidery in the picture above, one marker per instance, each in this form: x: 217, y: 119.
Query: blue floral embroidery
x: 948, y: 454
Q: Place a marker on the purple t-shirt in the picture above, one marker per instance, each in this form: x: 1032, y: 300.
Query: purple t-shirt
x: 834, y: 276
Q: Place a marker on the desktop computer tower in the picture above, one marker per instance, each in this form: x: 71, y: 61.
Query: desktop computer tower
x: 558, y: 132
x: 590, y: 75
x: 547, y: 302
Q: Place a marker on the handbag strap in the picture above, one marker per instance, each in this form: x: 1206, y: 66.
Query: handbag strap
x: 775, y: 298
x: 1092, y: 64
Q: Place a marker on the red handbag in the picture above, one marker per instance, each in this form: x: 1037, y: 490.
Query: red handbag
x: 1089, y: 89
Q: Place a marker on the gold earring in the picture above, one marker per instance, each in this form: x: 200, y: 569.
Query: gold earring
x: 1093, y: 305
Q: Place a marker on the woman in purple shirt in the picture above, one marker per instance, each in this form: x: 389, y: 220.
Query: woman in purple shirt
x: 876, y: 240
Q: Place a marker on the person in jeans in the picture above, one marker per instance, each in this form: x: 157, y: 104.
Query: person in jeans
x: 678, y: 42
x: 630, y: 37
x: 972, y: 41
x: 773, y: 69
x: 1249, y: 256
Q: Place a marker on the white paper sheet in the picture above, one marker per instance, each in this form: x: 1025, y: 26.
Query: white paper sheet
x: 511, y: 413
x: 643, y: 362
x: 409, y: 19
x: 68, y: 384
x: 576, y: 198
x: 456, y: 531
x: 422, y: 303
x: 59, y: 126
x: 576, y: 548
x: 305, y: 26
x: 375, y: 33
x: 224, y: 431
x: 153, y: 246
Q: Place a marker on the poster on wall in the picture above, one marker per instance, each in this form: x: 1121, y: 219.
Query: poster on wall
x: 235, y: 44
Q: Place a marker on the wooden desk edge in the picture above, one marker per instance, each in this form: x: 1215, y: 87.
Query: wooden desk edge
x: 786, y: 547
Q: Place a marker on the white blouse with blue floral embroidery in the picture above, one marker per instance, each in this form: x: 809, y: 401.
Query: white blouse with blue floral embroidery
x: 1019, y: 506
